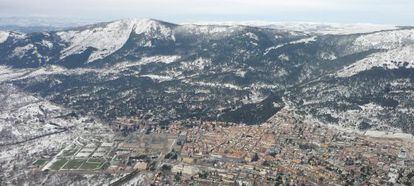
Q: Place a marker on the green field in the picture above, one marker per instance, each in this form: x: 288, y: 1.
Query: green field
x: 58, y: 164
x: 95, y: 160
x: 73, y: 164
x: 40, y: 162
x: 90, y: 166
x: 105, y: 165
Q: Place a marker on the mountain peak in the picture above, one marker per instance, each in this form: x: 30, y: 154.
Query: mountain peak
x: 109, y: 37
x: 143, y: 22
x: 150, y: 25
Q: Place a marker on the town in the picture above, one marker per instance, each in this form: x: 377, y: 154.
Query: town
x: 284, y: 150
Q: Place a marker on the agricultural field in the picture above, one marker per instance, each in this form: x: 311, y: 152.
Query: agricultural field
x: 58, y: 164
x: 73, y: 164
x: 90, y: 166
x: 40, y: 162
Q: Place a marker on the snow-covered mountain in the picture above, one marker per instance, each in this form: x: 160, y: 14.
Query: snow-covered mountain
x: 310, y: 27
x: 240, y: 72
x: 107, y: 38
x: 400, y: 57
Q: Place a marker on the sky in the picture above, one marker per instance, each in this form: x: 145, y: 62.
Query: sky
x: 396, y: 12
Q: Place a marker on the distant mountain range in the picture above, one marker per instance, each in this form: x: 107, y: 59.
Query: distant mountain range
x: 354, y: 76
x: 40, y: 24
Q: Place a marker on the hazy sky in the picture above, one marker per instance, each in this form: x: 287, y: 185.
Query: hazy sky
x: 399, y: 12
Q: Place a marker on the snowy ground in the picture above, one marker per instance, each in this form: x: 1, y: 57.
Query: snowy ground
x: 33, y: 128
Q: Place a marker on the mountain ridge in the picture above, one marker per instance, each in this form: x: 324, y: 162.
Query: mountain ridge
x: 166, y: 72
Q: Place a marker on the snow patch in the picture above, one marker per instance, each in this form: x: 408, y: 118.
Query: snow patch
x: 147, y: 60
x: 9, y: 74
x: 328, y: 56
x: 283, y: 57
x: 392, y: 59
x: 241, y: 73
x: 158, y: 78
x: 197, y: 64
x: 371, y: 106
x: 253, y: 37
x: 20, y: 51
x: 4, y: 36
x: 305, y: 40
x: 47, y: 44
x: 211, y: 84
x: 300, y: 41
x: 272, y: 48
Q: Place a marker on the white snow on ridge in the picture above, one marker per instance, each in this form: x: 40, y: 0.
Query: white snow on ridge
x: 160, y: 59
x: 45, y: 71
x: 4, y: 36
x: 399, y: 46
x: 147, y: 60
x: 106, y: 40
x: 9, y: 74
x: 111, y: 37
x: 310, y: 27
x: 392, y: 59
x: 212, y: 30
x: 272, y: 48
x: 304, y: 41
x: 384, y: 40
x: 332, y: 28
x: 214, y: 84
x: 148, y: 26
x: 158, y: 78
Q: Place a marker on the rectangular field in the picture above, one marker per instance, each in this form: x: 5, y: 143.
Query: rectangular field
x: 73, y: 164
x: 58, y: 164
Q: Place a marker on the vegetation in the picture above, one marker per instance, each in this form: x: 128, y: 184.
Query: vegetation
x: 90, y: 166
x: 40, y: 162
x: 58, y: 164
x: 73, y: 164
x: 95, y: 160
